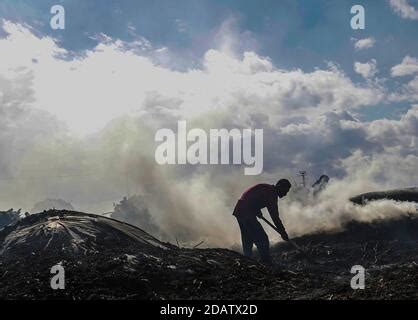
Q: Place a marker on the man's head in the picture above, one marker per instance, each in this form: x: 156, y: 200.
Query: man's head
x: 283, y: 186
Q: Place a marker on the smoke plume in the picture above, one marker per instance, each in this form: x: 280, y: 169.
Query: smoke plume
x: 81, y: 128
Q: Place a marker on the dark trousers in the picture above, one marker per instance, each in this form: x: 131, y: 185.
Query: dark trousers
x: 253, y: 233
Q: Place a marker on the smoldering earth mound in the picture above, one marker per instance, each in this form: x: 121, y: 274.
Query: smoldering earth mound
x: 107, y: 259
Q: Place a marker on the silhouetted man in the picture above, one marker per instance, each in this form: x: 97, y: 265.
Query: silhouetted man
x: 249, y: 207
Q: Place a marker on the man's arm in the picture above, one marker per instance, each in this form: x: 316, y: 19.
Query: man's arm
x: 273, y: 209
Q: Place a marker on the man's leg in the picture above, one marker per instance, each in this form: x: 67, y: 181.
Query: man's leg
x: 246, y: 238
x: 261, y: 240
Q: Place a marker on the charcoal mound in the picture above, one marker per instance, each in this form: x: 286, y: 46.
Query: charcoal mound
x: 71, y: 233
x: 406, y: 194
x: 107, y: 259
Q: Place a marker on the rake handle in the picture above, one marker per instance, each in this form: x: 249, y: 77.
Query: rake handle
x: 274, y: 227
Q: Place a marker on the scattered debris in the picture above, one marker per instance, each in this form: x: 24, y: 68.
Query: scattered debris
x: 48, y: 204
x: 124, y: 262
x: 197, y: 245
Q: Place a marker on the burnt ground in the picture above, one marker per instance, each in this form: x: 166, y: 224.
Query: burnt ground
x: 107, y: 259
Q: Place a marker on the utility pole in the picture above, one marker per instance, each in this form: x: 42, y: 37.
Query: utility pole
x: 303, y: 175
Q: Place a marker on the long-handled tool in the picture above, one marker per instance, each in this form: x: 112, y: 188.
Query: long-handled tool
x: 290, y: 241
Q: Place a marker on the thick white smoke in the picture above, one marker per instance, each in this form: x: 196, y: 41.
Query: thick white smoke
x: 82, y: 129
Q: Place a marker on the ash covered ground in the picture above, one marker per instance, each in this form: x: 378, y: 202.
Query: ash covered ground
x: 107, y: 259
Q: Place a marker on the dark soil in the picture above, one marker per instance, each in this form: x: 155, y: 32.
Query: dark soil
x: 107, y: 259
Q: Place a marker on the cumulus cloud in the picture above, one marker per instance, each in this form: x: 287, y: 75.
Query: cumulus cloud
x: 367, y: 69
x: 365, y: 43
x: 409, y: 90
x: 404, y: 9
x: 84, y: 90
x: 408, y: 66
x: 81, y: 128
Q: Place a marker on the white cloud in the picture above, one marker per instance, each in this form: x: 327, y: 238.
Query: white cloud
x: 408, y: 91
x: 365, y: 43
x: 112, y: 79
x: 367, y: 70
x: 404, y: 9
x: 408, y: 66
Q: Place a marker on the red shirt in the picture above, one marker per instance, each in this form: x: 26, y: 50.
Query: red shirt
x: 255, y: 198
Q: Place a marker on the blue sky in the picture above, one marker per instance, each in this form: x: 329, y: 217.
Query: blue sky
x: 292, y: 33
